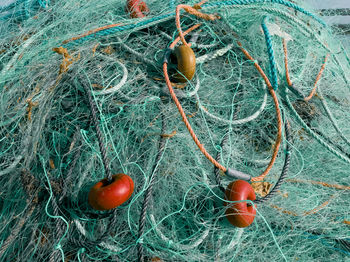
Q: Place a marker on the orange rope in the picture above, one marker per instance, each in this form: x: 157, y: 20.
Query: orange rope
x: 306, y: 213
x: 341, y: 187
x: 91, y: 32
x: 184, y: 33
x: 189, y: 9
x: 286, y: 62
x: 320, y: 207
x: 193, y: 135
x: 182, y: 112
x: 278, y: 114
x: 313, y: 91
x: 188, y: 125
x: 284, y: 211
x: 317, y: 209
x: 192, y: 11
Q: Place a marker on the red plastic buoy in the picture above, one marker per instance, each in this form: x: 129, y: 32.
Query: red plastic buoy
x: 137, y: 8
x: 105, y: 196
x: 240, y: 214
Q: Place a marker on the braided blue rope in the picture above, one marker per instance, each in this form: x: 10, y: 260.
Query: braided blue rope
x: 281, y: 2
x: 147, y: 21
x: 319, y: 139
x: 121, y: 28
x: 44, y: 3
x: 273, y: 70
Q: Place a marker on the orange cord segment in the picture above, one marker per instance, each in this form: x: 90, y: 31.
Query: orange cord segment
x: 182, y: 112
x: 278, y: 115
x: 340, y: 187
x: 306, y: 213
x: 93, y: 31
x: 192, y: 11
x: 188, y: 125
x: 286, y: 62
x: 312, y: 93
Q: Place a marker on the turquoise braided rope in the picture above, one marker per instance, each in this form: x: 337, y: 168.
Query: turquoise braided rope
x: 140, y: 25
x: 273, y: 70
x: 281, y: 2
x: 310, y: 132
x: 44, y: 3
x: 160, y: 18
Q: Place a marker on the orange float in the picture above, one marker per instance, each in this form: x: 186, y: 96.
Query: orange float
x: 240, y: 214
x: 137, y: 8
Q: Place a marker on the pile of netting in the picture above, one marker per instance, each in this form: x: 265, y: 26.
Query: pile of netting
x: 270, y: 98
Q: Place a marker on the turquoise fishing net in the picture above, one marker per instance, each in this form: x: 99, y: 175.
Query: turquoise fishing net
x: 50, y: 158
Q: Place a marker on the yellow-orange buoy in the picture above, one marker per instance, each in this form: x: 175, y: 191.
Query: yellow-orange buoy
x: 186, y: 63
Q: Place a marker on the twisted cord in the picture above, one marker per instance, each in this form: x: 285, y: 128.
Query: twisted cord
x: 283, y: 173
x: 179, y: 107
x: 216, y: 170
x: 289, y: 81
x: 72, y: 164
x: 281, y: 2
x: 148, y: 193
x: 148, y: 22
x: 93, y: 108
x: 273, y: 70
x: 278, y: 114
x: 60, y: 228
x: 192, y: 11
x: 298, y: 93
x: 90, y: 244
x: 313, y: 134
x: 187, y: 123
x: 329, y: 140
x: 284, y: 169
x: 31, y: 187
x: 319, y: 75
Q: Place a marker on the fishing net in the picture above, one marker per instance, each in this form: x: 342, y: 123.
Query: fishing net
x: 53, y: 52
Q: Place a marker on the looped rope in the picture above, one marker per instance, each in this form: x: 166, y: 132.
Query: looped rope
x: 192, y: 11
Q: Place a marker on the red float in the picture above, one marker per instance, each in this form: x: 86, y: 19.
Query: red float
x: 137, y: 8
x: 240, y: 214
x: 105, y: 195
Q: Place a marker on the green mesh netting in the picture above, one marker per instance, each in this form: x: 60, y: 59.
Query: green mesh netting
x: 49, y: 153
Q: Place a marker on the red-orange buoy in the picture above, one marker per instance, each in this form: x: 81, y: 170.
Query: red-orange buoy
x: 157, y: 259
x: 137, y: 8
x: 186, y: 63
x: 105, y: 196
x: 240, y: 214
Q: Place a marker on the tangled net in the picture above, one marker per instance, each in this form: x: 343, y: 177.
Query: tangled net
x: 51, y: 52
